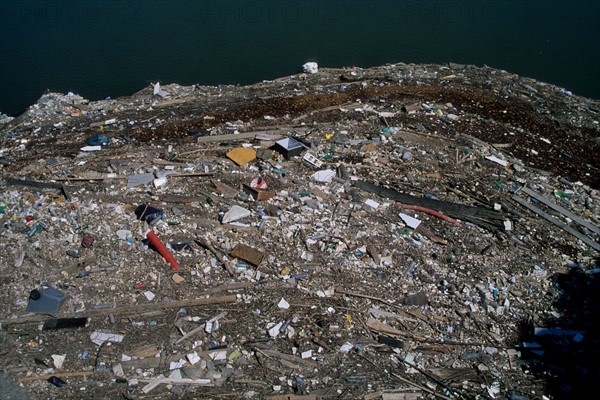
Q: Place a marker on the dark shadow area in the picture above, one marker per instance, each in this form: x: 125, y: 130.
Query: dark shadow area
x: 564, y: 351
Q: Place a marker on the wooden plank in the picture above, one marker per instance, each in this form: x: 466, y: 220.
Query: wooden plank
x: 233, y: 137
x: 289, y: 357
x: 57, y: 374
x: 132, y: 309
x: 556, y: 222
x: 381, y: 327
x: 489, y: 219
x: 560, y: 209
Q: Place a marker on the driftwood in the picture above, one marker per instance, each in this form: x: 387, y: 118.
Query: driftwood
x: 57, y: 374
x: 132, y: 309
x: 40, y: 185
x: 556, y: 222
x: 485, y: 218
x: 561, y: 210
x: 265, y: 135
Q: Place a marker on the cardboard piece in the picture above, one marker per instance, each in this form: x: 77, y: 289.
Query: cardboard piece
x: 241, y: 155
x: 258, y: 195
x: 248, y: 254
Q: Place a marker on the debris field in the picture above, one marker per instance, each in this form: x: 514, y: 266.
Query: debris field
x: 397, y: 232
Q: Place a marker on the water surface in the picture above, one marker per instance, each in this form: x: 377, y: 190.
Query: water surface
x: 111, y: 48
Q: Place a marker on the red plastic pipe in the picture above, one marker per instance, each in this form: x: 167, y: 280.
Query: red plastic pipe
x: 162, y: 249
x: 432, y: 212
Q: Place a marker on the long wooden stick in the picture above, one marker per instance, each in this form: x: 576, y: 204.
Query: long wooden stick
x: 140, y: 308
x: 489, y: 219
x: 561, y: 210
x: 364, y: 296
x: 57, y: 374
x: 590, y: 242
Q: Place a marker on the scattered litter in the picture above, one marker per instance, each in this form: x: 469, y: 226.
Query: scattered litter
x: 298, y: 237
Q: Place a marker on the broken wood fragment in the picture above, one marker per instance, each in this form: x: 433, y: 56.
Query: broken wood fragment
x: 57, y: 374
x: 561, y: 210
x: 132, y: 309
x: 456, y: 374
x: 488, y: 219
x: 347, y: 293
x: 432, y: 212
x: 39, y: 185
x: 248, y: 254
x: 234, y: 137
x: 384, y: 328
x: 560, y: 224
x: 294, y: 360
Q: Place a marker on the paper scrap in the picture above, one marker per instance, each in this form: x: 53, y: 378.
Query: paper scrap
x: 497, y: 160
x: 91, y: 148
x: 324, y: 176
x: 307, y: 354
x: 346, y: 347
x: 58, y: 360
x: 372, y: 203
x: 193, y: 358
x: 274, y: 331
x: 218, y: 355
x: 410, y: 221
x: 118, y: 370
x: 176, y: 364
x: 235, y: 213
x: 101, y: 337
x: 311, y: 159
x: 158, y: 182
x: 283, y: 304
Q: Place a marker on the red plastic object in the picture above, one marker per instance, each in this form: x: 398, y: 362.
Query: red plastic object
x: 162, y: 249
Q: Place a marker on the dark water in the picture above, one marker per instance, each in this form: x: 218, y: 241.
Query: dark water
x: 102, y: 48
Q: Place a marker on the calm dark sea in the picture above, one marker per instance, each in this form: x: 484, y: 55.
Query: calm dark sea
x: 111, y: 48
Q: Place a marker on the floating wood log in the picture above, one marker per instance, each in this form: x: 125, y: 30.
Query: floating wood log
x: 485, y: 218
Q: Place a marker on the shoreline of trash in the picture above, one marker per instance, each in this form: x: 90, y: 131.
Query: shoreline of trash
x: 399, y: 232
